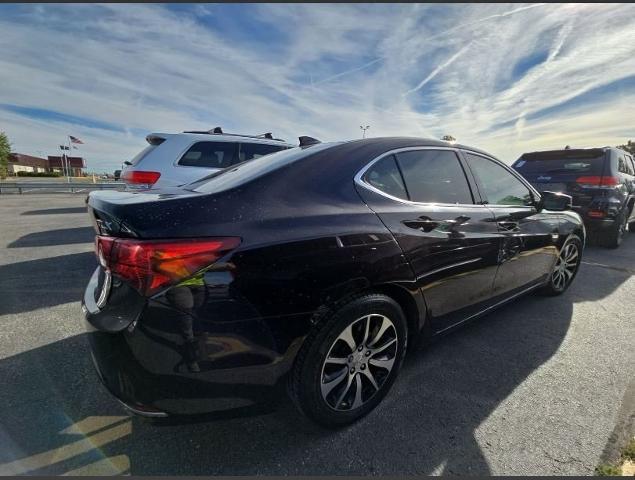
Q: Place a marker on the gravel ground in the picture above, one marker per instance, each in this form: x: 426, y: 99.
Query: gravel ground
x: 538, y: 387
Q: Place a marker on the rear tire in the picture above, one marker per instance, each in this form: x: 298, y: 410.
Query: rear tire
x: 566, y: 267
x: 350, y: 360
x: 614, y: 237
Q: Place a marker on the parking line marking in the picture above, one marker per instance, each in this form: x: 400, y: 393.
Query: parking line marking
x: 60, y: 454
x: 610, y: 267
x: 116, y: 465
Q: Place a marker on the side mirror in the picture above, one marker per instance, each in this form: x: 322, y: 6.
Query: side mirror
x: 555, y: 201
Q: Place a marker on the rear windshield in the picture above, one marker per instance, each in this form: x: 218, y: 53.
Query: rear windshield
x: 244, y: 172
x: 554, y: 163
x: 142, y: 154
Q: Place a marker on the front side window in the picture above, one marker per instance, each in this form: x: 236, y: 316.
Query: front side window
x: 499, y: 185
x: 434, y: 176
x: 210, y: 155
x: 248, y: 151
x: 384, y: 175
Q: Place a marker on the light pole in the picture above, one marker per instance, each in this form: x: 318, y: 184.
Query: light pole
x: 364, y: 130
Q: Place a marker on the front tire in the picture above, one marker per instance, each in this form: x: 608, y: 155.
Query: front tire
x: 566, y: 267
x: 349, y: 362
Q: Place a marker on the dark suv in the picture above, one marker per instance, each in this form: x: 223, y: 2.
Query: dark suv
x: 600, y: 180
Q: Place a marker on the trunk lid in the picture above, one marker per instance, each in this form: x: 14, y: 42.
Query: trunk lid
x: 142, y: 214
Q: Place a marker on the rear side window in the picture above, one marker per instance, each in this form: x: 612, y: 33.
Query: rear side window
x: 499, y: 186
x: 210, y: 155
x: 434, y: 176
x: 621, y: 164
x: 384, y: 175
x: 624, y: 164
x: 248, y: 151
x: 630, y: 165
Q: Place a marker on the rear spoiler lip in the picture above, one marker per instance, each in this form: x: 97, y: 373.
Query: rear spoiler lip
x: 570, y: 153
x: 119, y: 209
x: 156, y: 138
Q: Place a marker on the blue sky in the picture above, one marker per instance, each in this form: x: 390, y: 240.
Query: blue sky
x: 506, y: 78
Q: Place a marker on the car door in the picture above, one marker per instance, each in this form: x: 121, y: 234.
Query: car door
x: 528, y: 238
x: 424, y: 197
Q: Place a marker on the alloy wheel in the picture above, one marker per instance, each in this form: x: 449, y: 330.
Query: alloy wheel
x: 566, y: 265
x: 359, y: 362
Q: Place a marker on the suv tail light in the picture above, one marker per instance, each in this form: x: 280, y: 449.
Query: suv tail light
x: 597, y: 181
x: 139, y: 177
x: 151, y: 265
x: 596, y: 214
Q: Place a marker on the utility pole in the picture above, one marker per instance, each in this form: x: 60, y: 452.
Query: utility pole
x: 364, y: 130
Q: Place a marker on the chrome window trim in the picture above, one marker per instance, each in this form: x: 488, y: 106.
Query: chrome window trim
x: 514, y: 173
x: 359, y: 180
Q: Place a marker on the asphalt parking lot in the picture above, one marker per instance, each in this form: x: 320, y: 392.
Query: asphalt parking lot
x: 539, y: 387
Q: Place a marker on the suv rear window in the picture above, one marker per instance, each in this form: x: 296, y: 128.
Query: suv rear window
x: 248, y: 171
x: 591, y: 163
x: 248, y: 151
x: 210, y: 155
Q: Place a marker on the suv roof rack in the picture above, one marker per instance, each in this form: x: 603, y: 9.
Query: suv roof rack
x: 219, y: 131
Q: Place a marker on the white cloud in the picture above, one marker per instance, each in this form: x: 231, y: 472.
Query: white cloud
x: 327, y: 69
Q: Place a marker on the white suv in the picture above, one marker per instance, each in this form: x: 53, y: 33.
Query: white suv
x: 180, y: 158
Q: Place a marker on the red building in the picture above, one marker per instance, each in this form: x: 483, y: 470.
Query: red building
x: 76, y: 165
x: 19, y: 162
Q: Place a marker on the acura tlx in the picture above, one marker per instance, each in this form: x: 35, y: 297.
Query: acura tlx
x: 312, y: 271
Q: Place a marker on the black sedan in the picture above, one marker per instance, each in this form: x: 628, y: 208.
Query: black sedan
x: 312, y: 270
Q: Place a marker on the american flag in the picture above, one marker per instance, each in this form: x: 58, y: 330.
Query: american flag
x: 75, y: 140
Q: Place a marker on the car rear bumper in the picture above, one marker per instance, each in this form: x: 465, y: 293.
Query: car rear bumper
x: 166, y: 361
x: 599, y: 225
x: 595, y: 224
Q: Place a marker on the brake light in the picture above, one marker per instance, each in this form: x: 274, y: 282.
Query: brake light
x: 151, y: 265
x: 596, y: 214
x: 139, y: 177
x: 598, y: 181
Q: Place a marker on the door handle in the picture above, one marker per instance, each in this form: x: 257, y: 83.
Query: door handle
x: 427, y: 224
x: 419, y: 224
x: 509, y: 226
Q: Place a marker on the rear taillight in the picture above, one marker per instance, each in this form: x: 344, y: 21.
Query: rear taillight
x: 596, y: 214
x: 139, y: 177
x: 597, y: 181
x: 151, y: 265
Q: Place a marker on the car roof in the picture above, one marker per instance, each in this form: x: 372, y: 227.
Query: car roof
x: 393, y: 143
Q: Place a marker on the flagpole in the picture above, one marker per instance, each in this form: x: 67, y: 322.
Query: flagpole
x: 68, y: 161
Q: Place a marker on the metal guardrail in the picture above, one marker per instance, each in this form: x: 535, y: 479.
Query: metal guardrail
x: 56, y: 187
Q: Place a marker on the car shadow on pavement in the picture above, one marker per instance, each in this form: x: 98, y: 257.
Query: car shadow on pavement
x: 63, y: 236
x: 56, y: 418
x: 56, y: 211
x: 27, y: 286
